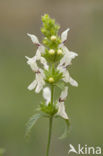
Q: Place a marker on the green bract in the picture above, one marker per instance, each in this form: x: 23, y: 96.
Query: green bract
x: 53, y: 73
x: 48, y: 109
x: 49, y: 27
x: 52, y: 56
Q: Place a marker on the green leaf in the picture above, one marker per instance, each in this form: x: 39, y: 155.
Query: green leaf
x: 66, y: 130
x: 31, y: 123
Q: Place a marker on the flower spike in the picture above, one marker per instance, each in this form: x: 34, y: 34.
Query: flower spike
x: 50, y: 66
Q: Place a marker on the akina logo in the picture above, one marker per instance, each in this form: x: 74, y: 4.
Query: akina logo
x: 85, y: 150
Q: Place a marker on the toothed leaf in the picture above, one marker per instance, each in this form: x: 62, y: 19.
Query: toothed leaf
x: 66, y: 130
x: 32, y: 121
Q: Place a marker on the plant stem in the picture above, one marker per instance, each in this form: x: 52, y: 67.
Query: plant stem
x: 50, y: 122
x: 49, y: 136
x: 52, y: 94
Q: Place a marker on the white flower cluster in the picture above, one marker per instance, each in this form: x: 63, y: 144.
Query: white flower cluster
x: 39, y: 81
x: 66, y: 60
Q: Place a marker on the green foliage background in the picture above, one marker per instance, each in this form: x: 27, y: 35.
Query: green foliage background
x: 17, y: 104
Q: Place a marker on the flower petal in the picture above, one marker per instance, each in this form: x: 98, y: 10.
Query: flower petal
x: 39, y: 88
x: 64, y: 93
x: 32, y: 85
x: 47, y: 95
x: 68, y: 56
x: 34, y: 39
x: 67, y: 78
x: 44, y: 62
x: 40, y: 50
x: 73, y: 82
x: 61, y: 110
x: 32, y: 63
x: 64, y: 35
x: 40, y: 81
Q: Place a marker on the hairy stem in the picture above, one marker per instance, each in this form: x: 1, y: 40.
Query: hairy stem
x: 49, y: 136
x: 52, y: 94
x: 50, y: 122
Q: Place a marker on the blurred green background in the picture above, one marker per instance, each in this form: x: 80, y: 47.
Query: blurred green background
x: 17, y: 104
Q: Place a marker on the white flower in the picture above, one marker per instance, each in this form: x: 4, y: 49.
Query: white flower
x: 32, y: 63
x: 66, y: 76
x: 44, y: 62
x: 41, y: 48
x: 68, y: 56
x: 34, y: 39
x: 47, y: 95
x: 64, y: 35
x: 64, y: 93
x: 66, y: 60
x: 61, y: 107
x: 32, y: 85
x: 39, y: 82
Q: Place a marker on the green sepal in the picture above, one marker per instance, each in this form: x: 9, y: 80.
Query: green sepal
x: 52, y: 58
x: 54, y: 73
x: 48, y: 109
x: 32, y: 121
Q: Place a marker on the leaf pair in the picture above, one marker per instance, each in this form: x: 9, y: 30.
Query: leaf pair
x: 32, y: 121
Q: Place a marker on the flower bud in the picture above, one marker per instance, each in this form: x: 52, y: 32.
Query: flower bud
x: 51, y: 80
x: 59, y: 51
x: 51, y: 51
x: 53, y: 38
